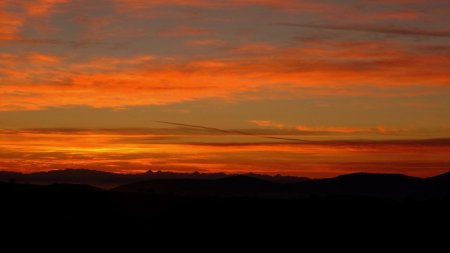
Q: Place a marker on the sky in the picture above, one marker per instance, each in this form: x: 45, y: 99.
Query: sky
x: 294, y: 87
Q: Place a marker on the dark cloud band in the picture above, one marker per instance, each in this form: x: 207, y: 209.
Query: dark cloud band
x: 373, y: 29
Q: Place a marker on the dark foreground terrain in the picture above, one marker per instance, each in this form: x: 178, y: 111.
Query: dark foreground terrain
x: 67, y: 204
x: 357, y: 203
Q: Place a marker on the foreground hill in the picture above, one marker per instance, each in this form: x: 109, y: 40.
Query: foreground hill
x: 63, y: 208
x: 234, y: 186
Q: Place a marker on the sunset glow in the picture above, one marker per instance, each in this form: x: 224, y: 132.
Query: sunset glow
x: 295, y: 87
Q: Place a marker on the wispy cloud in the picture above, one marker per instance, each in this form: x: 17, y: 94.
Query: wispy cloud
x: 303, y: 5
x: 267, y: 123
x: 117, y: 82
x: 374, y: 29
x: 184, y: 58
x: 183, y: 31
x: 45, y: 58
x: 128, y: 150
x: 14, y: 14
x: 206, y: 42
x: 17, y: 40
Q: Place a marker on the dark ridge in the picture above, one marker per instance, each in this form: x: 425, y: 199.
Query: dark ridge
x: 233, y: 186
x: 64, y: 208
x: 364, y: 184
x: 108, y: 180
x: 386, y: 186
x: 444, y: 178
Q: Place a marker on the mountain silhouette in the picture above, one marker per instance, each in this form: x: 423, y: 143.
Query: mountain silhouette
x: 358, y: 202
x: 365, y: 184
x: 236, y: 202
x: 388, y: 186
x: 442, y: 178
x: 109, y: 180
x: 439, y: 185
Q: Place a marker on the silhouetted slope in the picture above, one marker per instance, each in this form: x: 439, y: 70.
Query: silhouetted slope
x: 71, y: 176
x: 365, y: 184
x: 442, y: 178
x: 390, y: 186
x: 439, y: 185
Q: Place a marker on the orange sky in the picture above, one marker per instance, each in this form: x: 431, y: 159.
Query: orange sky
x: 84, y: 84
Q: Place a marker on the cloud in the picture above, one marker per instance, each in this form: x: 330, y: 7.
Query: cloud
x: 41, y: 7
x: 255, y: 48
x: 183, y: 31
x: 60, y: 53
x: 373, y: 131
x: 316, y: 69
x: 267, y: 123
x: 282, y: 4
x: 112, y: 63
x: 232, y: 132
x: 196, y: 65
x: 19, y: 18
x: 398, y: 1
x: 395, y: 15
x: 375, y: 29
x: 18, y: 39
x: 411, y: 145
x: 14, y: 14
x: 10, y: 22
x: 330, y: 131
x: 206, y: 42
x: 303, y: 128
x: 178, y: 110
x: 44, y: 58
x: 123, y: 150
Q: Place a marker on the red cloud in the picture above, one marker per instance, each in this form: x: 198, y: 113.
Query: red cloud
x: 13, y: 14
x: 267, y: 123
x: 183, y: 31
x: 286, y: 4
x: 205, y: 42
x: 44, y: 58
x: 144, y: 80
x: 41, y: 7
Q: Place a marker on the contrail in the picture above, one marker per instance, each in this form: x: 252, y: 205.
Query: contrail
x: 233, y: 132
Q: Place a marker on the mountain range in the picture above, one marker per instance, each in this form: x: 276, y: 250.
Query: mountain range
x: 387, y: 186
x: 108, y: 180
